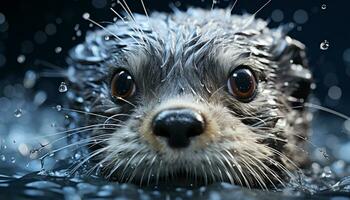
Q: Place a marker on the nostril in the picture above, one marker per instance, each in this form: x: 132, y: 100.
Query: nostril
x: 178, y: 126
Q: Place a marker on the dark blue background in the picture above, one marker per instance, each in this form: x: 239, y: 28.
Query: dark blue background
x: 26, y: 17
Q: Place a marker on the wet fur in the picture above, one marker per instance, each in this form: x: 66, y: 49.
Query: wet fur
x: 183, y: 59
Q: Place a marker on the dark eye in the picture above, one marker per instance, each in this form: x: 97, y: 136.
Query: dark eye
x: 123, y: 85
x: 242, y: 84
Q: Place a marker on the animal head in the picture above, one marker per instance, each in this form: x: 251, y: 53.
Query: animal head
x: 199, y: 95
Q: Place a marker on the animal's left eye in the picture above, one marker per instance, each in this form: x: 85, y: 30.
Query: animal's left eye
x: 242, y: 84
x: 123, y: 85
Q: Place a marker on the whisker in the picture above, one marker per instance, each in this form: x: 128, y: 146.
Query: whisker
x: 126, y: 101
x: 87, y: 113
x: 262, y: 7
x: 99, y: 151
x: 328, y: 110
x: 85, y: 141
x: 120, y: 17
x: 85, y: 128
x: 233, y: 6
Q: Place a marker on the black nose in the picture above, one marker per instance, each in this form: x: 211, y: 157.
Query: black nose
x: 178, y: 126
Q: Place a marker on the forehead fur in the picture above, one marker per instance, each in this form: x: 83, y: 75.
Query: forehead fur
x: 173, y: 45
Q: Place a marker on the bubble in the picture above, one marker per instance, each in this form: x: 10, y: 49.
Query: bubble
x: 2, y: 18
x: 23, y: 149
x: 30, y: 78
x: 63, y: 87
x: 343, y: 152
x: 13, y: 159
x: 324, y: 45
x: 50, y: 29
x: 300, y: 16
x: 3, y: 158
x: 58, y: 21
x: 21, y: 59
x: 40, y: 97
x: 58, y: 108
x: 78, y: 33
x: 40, y: 37
x: 189, y: 193
x: 76, y: 27
x: 214, y: 196
x: 18, y: 113
x: 86, y: 15
x: 99, y: 3
x: 58, y: 50
x: 323, y: 6
x: 277, y: 15
x: 334, y: 92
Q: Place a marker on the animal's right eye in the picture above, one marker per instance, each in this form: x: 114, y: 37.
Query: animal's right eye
x: 242, y: 84
x: 123, y: 85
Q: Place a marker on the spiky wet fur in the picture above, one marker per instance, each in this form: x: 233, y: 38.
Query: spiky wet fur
x: 183, y: 59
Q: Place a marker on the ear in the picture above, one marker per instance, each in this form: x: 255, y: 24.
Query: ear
x: 293, y: 71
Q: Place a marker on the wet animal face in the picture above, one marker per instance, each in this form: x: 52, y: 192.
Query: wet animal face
x: 194, y: 97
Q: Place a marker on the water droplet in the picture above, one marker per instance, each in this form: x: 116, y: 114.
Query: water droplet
x: 21, y: 59
x: 18, y: 112
x: 86, y: 15
x: 78, y: 33
x: 3, y: 157
x: 13, y: 159
x: 324, y: 45
x: 30, y: 78
x: 53, y: 124
x: 58, y: 108
x: 277, y: 15
x: 335, y: 92
x: 63, y: 87
x: 107, y: 38
x: 323, y: 6
x: 58, y: 50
